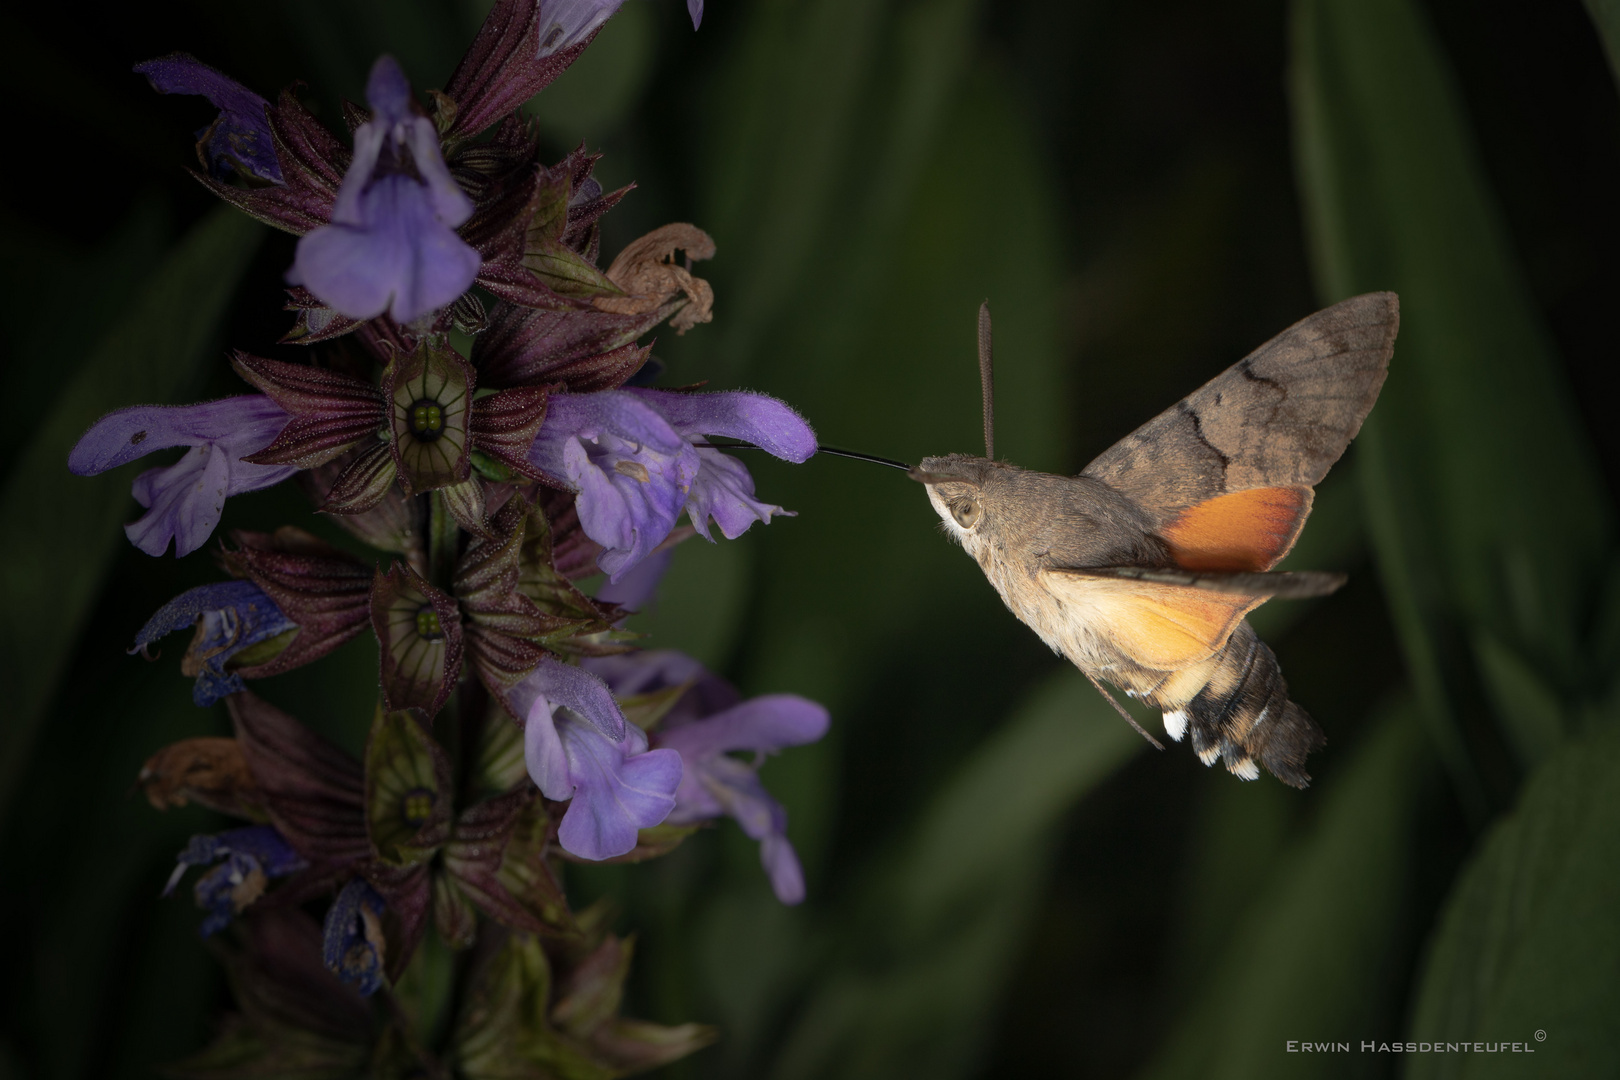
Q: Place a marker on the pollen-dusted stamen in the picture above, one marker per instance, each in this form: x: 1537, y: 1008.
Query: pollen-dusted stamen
x: 416, y: 806
x: 426, y: 420
x: 427, y: 624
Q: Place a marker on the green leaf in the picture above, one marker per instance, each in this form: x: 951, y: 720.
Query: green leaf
x: 917, y: 998
x: 66, y: 528
x: 1529, y: 941
x: 1485, y: 505
x: 1315, y: 955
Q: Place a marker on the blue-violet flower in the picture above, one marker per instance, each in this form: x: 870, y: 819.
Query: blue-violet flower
x: 391, y: 245
x: 352, y: 942
x: 628, y: 454
x: 235, y: 615
x: 578, y: 746
x: 239, y: 138
x: 184, y: 500
x: 253, y: 855
x: 708, y: 724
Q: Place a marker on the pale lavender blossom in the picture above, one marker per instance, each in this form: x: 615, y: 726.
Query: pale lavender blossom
x: 578, y: 747
x: 564, y: 23
x: 391, y: 245
x: 629, y: 454
x: 239, y: 138
x: 184, y: 500
x: 706, y: 726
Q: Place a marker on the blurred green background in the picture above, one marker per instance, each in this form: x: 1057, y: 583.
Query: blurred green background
x: 1004, y: 882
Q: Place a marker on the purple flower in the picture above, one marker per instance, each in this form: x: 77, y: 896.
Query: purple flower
x: 239, y: 138
x: 568, y: 22
x: 253, y: 855
x: 352, y: 943
x: 235, y: 615
x: 579, y: 747
x: 705, y: 727
x: 629, y: 455
x: 391, y: 245
x: 694, y: 8
x: 184, y: 500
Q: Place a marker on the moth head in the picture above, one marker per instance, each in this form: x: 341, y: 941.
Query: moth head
x: 960, y: 489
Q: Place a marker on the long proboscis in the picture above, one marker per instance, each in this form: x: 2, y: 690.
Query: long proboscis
x: 834, y: 451
x: 987, y: 381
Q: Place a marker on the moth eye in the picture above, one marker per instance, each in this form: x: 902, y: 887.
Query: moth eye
x: 966, y: 512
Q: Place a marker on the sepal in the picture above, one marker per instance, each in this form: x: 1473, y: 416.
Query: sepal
x: 419, y: 630
x: 312, y: 790
x: 408, y: 794
x: 324, y: 591
x: 430, y: 401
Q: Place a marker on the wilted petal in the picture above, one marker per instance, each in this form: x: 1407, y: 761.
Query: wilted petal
x: 352, y: 944
x: 253, y: 855
x: 240, y: 138
x: 694, y: 8
x: 564, y: 23
x: 234, y: 616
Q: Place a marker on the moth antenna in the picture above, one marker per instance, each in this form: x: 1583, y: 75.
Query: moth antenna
x: 987, y: 381
x: 1129, y: 719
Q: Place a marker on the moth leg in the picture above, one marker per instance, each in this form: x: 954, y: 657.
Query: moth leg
x: 1112, y: 700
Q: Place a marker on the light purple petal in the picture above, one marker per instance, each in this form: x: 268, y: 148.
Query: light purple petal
x: 694, y: 8
x: 643, y: 672
x: 763, y: 724
x: 568, y: 22
x: 631, y: 469
x: 185, y: 502
x: 724, y: 490
x: 563, y: 684
x: 401, y: 258
x: 617, y: 790
x: 243, y: 425
x: 369, y: 139
x: 636, y: 589
x: 388, y: 92
x: 781, y: 864
x: 737, y: 414
x: 543, y: 752
x: 450, y: 203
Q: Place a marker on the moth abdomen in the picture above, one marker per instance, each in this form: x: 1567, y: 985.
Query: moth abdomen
x: 1244, y: 717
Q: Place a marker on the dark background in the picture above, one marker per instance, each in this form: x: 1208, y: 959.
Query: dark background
x: 1123, y: 182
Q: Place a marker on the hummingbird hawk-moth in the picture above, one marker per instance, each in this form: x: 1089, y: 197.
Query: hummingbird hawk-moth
x: 1140, y: 570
